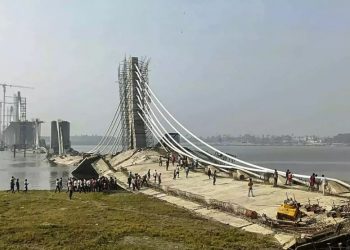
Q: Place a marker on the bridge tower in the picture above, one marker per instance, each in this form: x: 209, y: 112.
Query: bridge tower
x: 134, y: 132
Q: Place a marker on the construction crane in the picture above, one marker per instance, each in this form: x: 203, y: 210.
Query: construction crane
x: 4, y: 101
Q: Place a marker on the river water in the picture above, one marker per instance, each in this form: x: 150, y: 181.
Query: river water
x: 331, y: 161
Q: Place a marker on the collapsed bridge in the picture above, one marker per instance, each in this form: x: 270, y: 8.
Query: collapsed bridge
x: 141, y: 119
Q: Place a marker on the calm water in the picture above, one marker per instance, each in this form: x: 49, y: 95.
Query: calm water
x: 39, y: 172
x: 331, y: 161
x: 328, y: 160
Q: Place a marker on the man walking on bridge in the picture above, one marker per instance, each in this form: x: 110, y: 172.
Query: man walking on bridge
x: 209, y: 173
x: 214, y: 177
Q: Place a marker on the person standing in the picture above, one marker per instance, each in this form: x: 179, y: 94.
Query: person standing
x: 275, y: 178
x: 155, y: 175
x: 214, y: 177
x: 324, y: 184
x: 250, y: 187
x: 174, y: 174
x: 61, y: 184
x: 167, y: 164
x: 187, y: 170
x: 149, y: 174
x: 26, y: 185
x: 12, y: 184
x: 178, y: 172
x: 287, y: 175
x: 159, y: 178
x: 160, y: 161
x: 133, y: 183
x: 70, y: 189
x: 312, y: 182
x: 209, y: 173
x: 129, y: 179
x: 290, y: 178
x: 317, y: 183
x: 17, y: 185
x: 57, y: 186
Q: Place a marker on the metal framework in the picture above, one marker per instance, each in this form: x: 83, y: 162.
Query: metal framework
x: 135, y: 133
x: 127, y: 129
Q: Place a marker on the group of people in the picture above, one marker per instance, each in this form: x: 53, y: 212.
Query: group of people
x: 15, y: 186
x: 182, y: 161
x: 100, y: 184
x: 315, y: 183
x: 136, y: 181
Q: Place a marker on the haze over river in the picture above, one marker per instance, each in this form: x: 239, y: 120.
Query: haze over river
x: 331, y: 161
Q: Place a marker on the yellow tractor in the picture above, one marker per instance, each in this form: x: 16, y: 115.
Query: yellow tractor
x: 289, y: 210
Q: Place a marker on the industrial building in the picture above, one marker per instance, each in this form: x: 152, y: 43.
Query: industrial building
x: 15, y: 129
x: 21, y: 134
x: 60, y: 137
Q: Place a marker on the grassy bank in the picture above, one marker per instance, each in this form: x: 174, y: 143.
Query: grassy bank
x: 45, y: 220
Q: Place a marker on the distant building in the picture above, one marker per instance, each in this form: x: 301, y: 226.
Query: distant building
x: 60, y: 136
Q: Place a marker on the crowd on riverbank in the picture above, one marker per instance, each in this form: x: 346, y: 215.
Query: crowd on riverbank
x: 101, y: 184
x: 15, y: 185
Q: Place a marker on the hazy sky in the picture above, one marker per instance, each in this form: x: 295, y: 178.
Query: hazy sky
x: 234, y: 67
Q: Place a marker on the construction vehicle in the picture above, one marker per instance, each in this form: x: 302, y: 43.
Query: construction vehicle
x: 289, y: 210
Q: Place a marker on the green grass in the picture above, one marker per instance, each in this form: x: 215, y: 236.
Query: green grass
x: 45, y: 220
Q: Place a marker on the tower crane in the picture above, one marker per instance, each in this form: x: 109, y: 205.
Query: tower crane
x: 4, y: 85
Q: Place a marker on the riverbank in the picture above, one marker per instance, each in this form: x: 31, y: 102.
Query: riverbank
x: 45, y: 220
